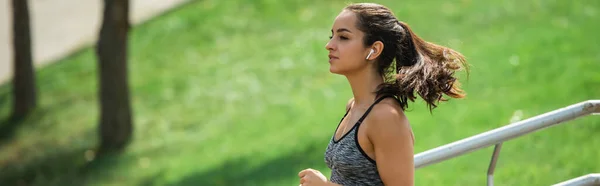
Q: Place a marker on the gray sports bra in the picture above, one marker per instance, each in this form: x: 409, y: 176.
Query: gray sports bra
x: 349, y: 164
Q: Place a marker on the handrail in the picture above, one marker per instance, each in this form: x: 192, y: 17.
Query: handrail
x: 505, y: 133
x: 586, y: 180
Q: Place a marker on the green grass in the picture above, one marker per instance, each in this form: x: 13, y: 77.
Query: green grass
x: 239, y: 93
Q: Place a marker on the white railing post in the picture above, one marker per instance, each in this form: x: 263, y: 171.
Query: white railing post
x: 493, y: 162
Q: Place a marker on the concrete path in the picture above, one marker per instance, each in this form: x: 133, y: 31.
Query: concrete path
x: 59, y: 27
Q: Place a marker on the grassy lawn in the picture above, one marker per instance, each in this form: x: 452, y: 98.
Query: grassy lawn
x: 239, y: 93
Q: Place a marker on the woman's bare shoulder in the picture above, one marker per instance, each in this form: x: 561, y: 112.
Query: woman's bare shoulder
x: 387, y: 117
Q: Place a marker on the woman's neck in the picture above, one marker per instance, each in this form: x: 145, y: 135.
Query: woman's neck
x: 364, y: 84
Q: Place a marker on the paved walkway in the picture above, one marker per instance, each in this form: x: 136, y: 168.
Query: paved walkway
x: 60, y: 27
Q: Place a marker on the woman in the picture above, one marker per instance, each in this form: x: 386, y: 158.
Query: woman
x: 386, y: 64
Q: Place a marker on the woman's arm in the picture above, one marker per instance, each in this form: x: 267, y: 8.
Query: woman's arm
x: 392, y: 139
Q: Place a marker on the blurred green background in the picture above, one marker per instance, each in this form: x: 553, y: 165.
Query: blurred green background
x: 239, y: 93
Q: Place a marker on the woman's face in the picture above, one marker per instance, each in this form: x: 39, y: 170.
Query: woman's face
x: 346, y: 50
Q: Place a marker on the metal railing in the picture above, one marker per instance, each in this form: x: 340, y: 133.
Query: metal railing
x: 505, y: 133
x: 587, y: 180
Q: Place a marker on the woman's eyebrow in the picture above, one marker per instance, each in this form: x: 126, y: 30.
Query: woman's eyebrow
x: 341, y: 30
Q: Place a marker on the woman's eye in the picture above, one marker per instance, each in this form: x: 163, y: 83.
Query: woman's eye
x: 341, y: 37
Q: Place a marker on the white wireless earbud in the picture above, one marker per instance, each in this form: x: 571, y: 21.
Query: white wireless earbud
x: 372, y: 51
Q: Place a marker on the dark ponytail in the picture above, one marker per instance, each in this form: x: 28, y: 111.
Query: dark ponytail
x: 421, y: 67
x: 427, y: 69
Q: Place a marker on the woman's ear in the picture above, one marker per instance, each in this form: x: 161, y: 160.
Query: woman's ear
x: 375, y: 51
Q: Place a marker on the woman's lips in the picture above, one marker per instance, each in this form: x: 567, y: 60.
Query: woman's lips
x: 332, y: 57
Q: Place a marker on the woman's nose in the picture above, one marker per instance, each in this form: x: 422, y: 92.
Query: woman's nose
x: 329, y: 45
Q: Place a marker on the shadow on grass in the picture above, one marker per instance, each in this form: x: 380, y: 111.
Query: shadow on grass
x: 4, y: 95
x: 10, y: 125
x: 6, y: 125
x: 47, y: 168
x: 66, y: 167
x: 239, y: 172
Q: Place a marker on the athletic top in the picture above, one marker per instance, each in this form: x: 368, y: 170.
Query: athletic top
x: 349, y: 164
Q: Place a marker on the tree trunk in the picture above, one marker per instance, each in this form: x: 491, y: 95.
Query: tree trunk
x: 24, y: 90
x: 116, y: 126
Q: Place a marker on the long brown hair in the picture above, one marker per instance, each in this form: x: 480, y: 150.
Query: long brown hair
x: 421, y: 67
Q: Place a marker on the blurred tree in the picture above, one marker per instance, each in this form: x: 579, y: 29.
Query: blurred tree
x: 115, y: 113
x: 24, y: 90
